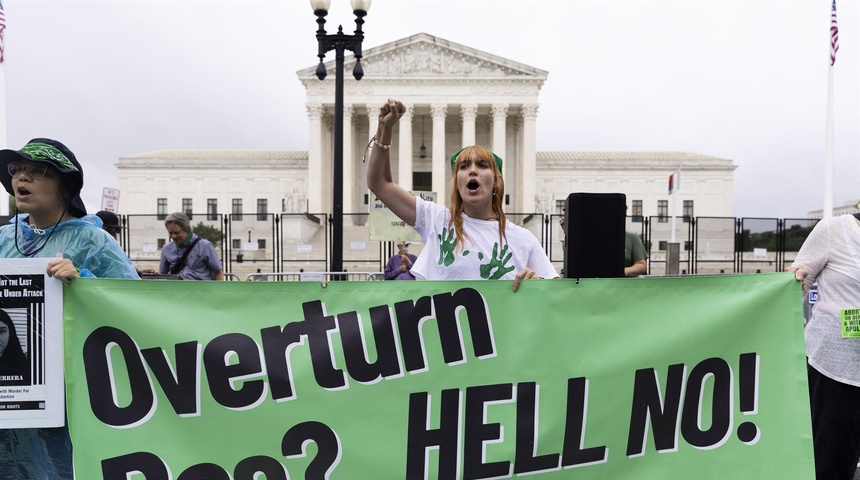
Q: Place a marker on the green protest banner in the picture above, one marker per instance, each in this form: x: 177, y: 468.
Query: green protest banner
x: 648, y: 378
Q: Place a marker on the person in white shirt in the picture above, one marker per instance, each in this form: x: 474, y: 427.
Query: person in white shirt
x: 830, y: 256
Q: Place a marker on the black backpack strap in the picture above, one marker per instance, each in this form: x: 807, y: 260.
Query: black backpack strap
x: 181, y: 263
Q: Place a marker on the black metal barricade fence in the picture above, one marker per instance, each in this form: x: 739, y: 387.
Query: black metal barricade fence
x: 299, y: 243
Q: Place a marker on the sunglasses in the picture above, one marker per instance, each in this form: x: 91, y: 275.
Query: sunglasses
x: 35, y: 170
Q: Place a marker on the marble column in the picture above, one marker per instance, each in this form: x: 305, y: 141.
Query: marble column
x: 468, y: 113
x: 404, y: 157
x: 438, y: 112
x: 327, y: 161
x: 529, y: 159
x: 500, y: 114
x: 372, y: 118
x: 349, y: 180
x: 315, y: 160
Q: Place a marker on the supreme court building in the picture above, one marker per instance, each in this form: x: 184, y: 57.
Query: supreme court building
x: 456, y: 96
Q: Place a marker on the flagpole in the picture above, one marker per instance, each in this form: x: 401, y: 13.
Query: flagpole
x: 4, y: 139
x: 674, y: 193
x: 828, y: 150
x: 674, y: 211
x: 827, y: 211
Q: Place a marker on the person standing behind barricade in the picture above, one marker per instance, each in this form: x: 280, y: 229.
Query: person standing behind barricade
x: 830, y: 256
x: 110, y: 223
x: 400, y: 264
x: 472, y: 240
x: 46, y: 180
x: 634, y: 255
x: 189, y: 256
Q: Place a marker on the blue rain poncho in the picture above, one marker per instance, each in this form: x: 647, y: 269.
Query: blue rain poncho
x: 46, y: 453
x: 81, y: 240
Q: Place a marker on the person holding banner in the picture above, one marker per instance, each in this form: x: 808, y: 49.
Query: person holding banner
x: 46, y: 180
x: 830, y: 256
x: 470, y: 241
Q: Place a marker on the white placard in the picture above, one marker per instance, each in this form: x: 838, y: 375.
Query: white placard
x: 110, y: 200
x: 304, y: 248
x: 35, y: 397
x: 358, y: 245
x: 385, y: 226
x: 149, y: 248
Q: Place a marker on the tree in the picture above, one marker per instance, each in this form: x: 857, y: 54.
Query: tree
x: 795, y: 236
x: 212, y: 234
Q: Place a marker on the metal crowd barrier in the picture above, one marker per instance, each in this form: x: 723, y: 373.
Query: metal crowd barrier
x: 314, y: 276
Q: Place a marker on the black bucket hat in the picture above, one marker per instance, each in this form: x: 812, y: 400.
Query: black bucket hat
x: 57, y: 156
x: 109, y: 219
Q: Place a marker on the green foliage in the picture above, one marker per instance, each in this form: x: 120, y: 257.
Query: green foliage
x: 794, y: 238
x: 209, y: 233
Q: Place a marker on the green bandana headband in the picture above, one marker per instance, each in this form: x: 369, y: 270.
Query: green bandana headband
x: 43, y: 151
x: 496, y: 157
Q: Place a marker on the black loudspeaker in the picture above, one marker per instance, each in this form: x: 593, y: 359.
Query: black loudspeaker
x: 594, y: 224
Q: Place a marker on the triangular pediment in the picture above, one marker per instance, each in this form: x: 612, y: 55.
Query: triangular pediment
x: 423, y: 55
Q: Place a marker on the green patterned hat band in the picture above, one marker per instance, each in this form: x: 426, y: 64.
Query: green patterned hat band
x: 57, y: 155
x: 43, y: 151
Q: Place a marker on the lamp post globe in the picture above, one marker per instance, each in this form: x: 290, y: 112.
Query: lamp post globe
x: 320, y: 5
x: 361, y: 5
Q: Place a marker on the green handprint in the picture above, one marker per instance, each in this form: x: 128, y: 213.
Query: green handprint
x: 447, y: 245
x: 497, y: 263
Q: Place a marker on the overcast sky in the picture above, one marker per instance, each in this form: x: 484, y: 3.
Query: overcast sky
x: 744, y: 80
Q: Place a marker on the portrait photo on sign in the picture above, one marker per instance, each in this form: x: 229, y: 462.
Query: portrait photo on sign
x: 15, y: 367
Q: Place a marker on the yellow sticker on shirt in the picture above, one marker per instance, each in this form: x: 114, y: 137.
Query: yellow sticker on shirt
x: 851, y: 323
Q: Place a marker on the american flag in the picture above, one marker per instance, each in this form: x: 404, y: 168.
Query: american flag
x: 3, y: 29
x: 834, y: 35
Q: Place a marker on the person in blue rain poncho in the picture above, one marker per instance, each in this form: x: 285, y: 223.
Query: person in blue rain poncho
x: 45, y: 179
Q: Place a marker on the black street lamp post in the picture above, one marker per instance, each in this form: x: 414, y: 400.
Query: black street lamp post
x: 339, y: 42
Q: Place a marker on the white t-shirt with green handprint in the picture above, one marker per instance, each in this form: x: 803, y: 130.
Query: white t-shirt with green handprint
x: 482, y: 258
